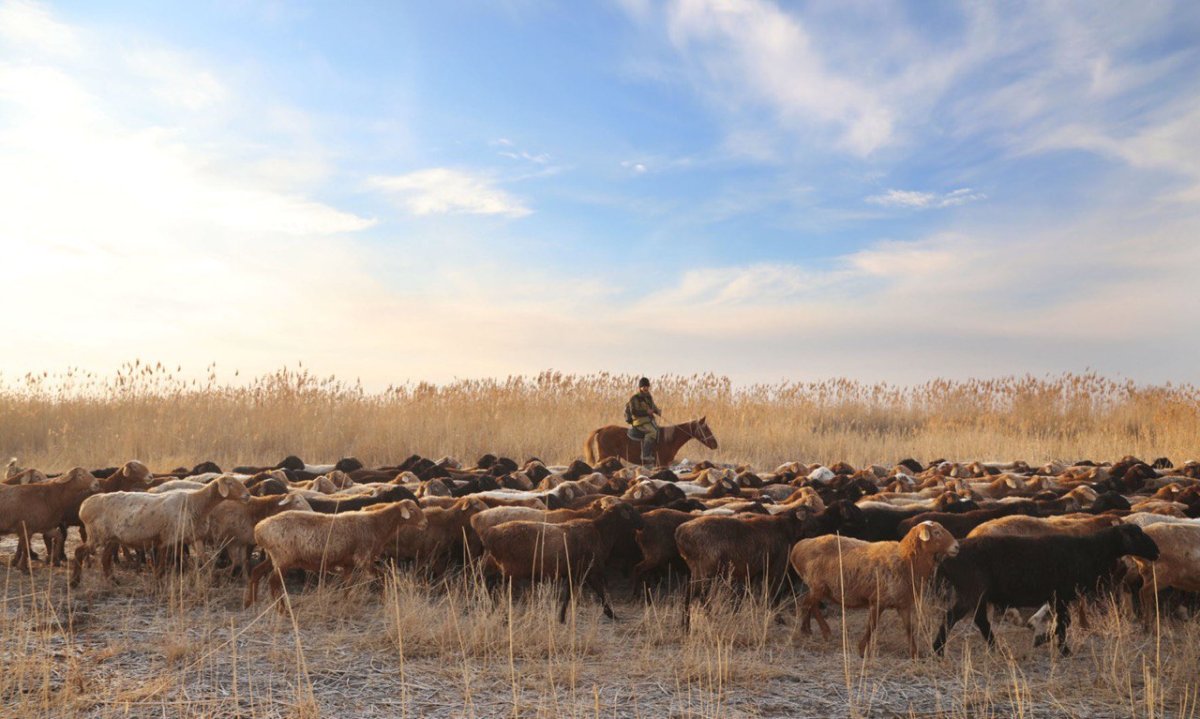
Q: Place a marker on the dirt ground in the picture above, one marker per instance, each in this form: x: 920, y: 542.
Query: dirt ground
x: 186, y: 647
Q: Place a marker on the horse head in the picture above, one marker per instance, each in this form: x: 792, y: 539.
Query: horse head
x: 704, y: 434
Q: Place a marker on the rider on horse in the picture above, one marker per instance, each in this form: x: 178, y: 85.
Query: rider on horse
x: 639, y: 412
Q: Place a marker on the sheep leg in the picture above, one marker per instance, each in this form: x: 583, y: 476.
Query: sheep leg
x: 255, y: 577
x: 596, y: 582
x: 687, y: 604
x: 1148, y: 597
x: 984, y: 624
x: 20, y: 560
x: 566, y: 599
x: 640, y: 585
x: 61, y: 555
x: 275, y: 584
x: 813, y: 609
x: 953, y: 614
x: 1060, y: 632
x: 106, y: 561
x: 81, y: 553
x: 54, y: 540
x: 872, y: 621
x: 906, y: 617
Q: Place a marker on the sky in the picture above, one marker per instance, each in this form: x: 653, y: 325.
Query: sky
x: 438, y: 190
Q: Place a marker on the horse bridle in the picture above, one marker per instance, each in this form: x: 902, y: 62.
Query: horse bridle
x: 702, y: 440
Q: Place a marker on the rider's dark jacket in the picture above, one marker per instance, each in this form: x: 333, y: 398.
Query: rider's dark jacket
x: 640, y: 409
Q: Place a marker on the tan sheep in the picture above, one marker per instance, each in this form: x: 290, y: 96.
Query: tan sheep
x: 1021, y: 525
x: 322, y: 542
x: 876, y: 575
x: 141, y: 520
x: 231, y: 524
x: 1178, y: 563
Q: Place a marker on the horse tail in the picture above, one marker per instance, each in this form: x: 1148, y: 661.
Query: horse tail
x: 591, y: 448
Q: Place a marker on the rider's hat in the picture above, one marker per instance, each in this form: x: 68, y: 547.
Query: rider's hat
x: 644, y: 382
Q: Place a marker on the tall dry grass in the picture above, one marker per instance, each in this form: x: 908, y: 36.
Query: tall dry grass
x: 149, y: 412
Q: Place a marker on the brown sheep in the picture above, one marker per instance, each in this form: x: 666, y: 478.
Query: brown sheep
x: 41, y: 508
x: 321, y: 542
x: 876, y: 575
x: 448, y: 533
x: 748, y: 546
x: 656, y: 539
x: 574, y: 552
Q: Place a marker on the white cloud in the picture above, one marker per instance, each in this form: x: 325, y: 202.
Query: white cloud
x: 926, y: 200
x: 30, y: 26
x: 443, y: 190
x: 755, y: 52
x: 176, y: 79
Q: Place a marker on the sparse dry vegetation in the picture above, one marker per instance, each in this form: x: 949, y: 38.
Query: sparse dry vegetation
x: 415, y: 646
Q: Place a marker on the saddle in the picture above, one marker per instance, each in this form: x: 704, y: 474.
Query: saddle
x: 634, y: 433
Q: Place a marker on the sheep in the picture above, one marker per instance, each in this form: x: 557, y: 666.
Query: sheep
x: 176, y: 485
x: 748, y: 546
x: 960, y: 524
x: 133, y: 476
x: 1177, y: 565
x: 880, y: 524
x: 337, y: 503
x: 1023, y: 526
x: 147, y: 521
x: 24, y: 476
x: 575, y: 551
x: 449, y: 531
x: 1016, y: 571
x: 496, y: 516
x: 41, y: 508
x: 656, y: 540
x: 320, y: 542
x: 231, y: 524
x: 1145, y: 519
x: 876, y: 575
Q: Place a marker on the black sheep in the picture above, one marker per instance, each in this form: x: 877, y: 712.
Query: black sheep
x: 1007, y: 572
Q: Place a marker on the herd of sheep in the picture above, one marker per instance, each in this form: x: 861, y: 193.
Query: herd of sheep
x: 1002, y: 535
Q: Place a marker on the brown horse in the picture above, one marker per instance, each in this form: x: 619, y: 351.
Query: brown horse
x: 614, y: 441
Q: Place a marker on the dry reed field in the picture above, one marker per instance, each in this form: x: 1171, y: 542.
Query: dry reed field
x: 146, y: 411
x: 415, y: 646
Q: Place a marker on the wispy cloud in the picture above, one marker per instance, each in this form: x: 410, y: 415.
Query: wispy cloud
x: 443, y: 190
x: 755, y: 52
x: 925, y: 200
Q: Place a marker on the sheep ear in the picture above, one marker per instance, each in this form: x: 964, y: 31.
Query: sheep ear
x: 404, y: 513
x: 287, y: 498
x: 925, y: 533
x: 223, y: 489
x: 1012, y: 483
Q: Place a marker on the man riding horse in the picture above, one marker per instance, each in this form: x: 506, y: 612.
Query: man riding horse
x: 639, y: 413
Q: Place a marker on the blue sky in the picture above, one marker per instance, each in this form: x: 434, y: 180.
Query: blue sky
x: 765, y: 190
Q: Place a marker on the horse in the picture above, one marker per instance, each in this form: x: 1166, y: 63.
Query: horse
x: 613, y: 441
